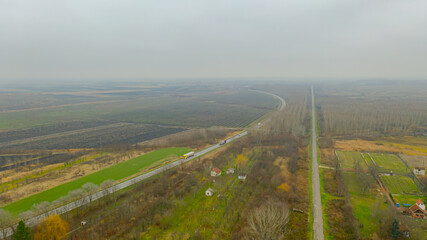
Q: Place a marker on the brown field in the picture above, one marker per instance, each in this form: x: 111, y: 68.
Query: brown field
x: 404, y: 145
x: 415, y: 161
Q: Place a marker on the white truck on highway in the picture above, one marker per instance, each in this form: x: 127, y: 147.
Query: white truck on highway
x: 188, y: 155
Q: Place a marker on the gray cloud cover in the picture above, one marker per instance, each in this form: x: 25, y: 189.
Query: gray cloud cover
x: 213, y: 38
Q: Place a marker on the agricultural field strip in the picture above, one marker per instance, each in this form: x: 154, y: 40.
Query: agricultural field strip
x: 63, y: 134
x: 78, y: 203
x: 348, y: 159
x: 59, y: 106
x: 399, y: 184
x: 389, y: 162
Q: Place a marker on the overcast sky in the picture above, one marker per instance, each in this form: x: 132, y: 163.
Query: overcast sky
x: 213, y: 38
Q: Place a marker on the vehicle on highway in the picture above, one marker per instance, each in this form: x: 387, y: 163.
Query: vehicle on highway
x: 188, y: 155
x: 223, y: 142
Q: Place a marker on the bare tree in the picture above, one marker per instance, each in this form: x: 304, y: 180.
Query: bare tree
x: 106, y: 187
x: 268, y: 222
x: 6, y: 220
x: 41, y: 208
x: 77, y: 197
x: 26, y: 215
x: 89, y: 189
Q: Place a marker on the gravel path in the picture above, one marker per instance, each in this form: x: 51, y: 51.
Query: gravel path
x: 315, y: 181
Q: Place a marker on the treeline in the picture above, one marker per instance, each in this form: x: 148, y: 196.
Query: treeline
x: 365, y: 118
x: 193, y: 138
x: 371, y: 110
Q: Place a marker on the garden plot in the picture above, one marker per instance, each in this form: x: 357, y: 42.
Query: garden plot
x: 388, y: 162
x: 399, y: 184
x: 349, y: 159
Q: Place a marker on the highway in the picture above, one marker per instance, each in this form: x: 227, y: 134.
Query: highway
x: 83, y: 201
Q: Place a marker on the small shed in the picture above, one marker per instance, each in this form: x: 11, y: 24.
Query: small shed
x: 230, y: 171
x: 419, y: 171
x: 215, y: 172
x: 209, y: 192
x: 242, y: 176
x: 404, y: 230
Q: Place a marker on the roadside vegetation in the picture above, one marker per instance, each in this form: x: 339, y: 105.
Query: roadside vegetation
x: 117, y: 172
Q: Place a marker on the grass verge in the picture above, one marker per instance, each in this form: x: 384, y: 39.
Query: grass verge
x: 117, y: 172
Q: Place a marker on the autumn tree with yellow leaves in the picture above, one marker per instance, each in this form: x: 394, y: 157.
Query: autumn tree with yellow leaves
x: 53, y: 228
x: 241, y: 161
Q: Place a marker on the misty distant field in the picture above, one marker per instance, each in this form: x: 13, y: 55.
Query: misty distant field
x: 72, y: 117
x: 162, y: 106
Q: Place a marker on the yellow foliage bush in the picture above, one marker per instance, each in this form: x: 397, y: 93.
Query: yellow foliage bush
x: 53, y: 228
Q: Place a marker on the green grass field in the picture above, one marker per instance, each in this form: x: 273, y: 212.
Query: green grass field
x: 349, y: 159
x: 198, y: 211
x: 362, y: 203
x: 117, y: 172
x: 389, y: 162
x: 408, y: 199
x: 400, y: 184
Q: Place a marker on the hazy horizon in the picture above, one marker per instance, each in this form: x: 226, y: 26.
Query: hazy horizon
x: 212, y: 39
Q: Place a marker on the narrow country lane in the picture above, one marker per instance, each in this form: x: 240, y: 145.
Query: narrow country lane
x: 315, y: 180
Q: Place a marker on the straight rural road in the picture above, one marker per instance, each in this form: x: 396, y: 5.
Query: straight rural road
x: 83, y: 201
x: 315, y: 180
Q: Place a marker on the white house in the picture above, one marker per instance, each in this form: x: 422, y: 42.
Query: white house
x: 209, y: 192
x: 215, y: 172
x: 421, y: 204
x: 242, y: 176
x: 419, y: 171
x: 230, y: 171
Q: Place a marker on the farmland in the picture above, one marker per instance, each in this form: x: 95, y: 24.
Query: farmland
x: 400, y: 184
x: 86, y: 137
x: 180, y: 106
x: 411, y: 146
x: 349, y: 159
x: 388, y: 162
x: 362, y: 202
x: 117, y: 172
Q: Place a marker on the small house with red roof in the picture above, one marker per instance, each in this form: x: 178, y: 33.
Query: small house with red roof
x: 215, y: 172
x: 417, y: 210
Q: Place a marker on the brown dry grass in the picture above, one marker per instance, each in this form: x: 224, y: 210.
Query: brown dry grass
x: 9, y: 175
x: 415, y: 161
x: 281, y: 163
x: 384, y: 145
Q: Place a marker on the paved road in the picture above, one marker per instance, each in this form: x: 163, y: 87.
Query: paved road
x: 315, y: 181
x: 282, y: 101
x: 78, y: 203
